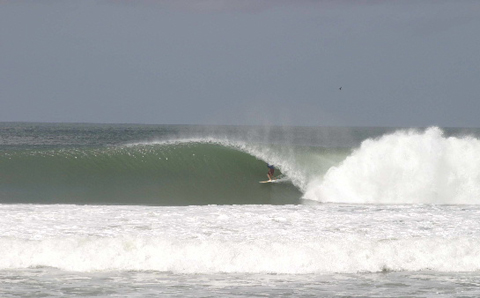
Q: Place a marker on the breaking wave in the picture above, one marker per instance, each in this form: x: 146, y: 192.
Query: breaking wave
x: 405, y: 167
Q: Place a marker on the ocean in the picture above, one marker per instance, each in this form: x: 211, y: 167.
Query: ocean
x: 121, y: 210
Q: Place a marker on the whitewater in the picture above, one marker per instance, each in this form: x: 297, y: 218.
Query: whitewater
x: 177, y: 211
x: 292, y: 239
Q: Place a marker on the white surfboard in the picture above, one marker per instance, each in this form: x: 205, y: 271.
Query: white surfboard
x: 278, y: 179
x: 268, y: 181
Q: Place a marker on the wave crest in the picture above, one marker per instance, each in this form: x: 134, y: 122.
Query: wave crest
x: 405, y: 167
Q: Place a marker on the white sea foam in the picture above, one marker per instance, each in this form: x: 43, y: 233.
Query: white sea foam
x: 322, y: 255
x: 197, y: 256
x: 405, y: 167
x: 248, y: 239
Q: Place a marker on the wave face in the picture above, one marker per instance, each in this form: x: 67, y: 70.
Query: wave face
x: 183, y: 166
x: 158, y: 173
x: 405, y: 167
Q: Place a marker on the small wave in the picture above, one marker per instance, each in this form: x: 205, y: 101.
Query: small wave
x: 334, y: 255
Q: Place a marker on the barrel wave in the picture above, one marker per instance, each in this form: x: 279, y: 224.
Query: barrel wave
x: 157, y: 173
x: 386, y: 167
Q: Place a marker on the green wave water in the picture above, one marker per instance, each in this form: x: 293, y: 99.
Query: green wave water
x: 191, y: 165
x: 170, y: 173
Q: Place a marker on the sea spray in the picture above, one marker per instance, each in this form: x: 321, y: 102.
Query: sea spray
x: 405, y: 167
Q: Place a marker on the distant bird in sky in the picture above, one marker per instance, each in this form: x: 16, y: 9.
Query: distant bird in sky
x: 340, y: 88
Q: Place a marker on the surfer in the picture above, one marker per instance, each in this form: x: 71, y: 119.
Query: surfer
x: 271, y: 171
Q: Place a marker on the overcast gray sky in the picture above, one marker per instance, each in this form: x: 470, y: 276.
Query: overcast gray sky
x: 281, y: 62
